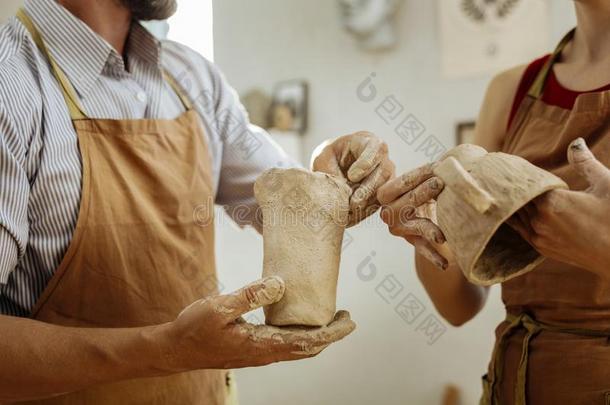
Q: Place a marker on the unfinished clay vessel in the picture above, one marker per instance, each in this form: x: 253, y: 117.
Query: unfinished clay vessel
x: 482, y: 190
x: 304, y: 218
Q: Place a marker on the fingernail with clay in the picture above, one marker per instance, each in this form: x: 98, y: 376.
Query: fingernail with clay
x: 578, y: 144
x: 385, y: 214
x: 272, y: 291
x: 358, y: 199
x: 354, y: 174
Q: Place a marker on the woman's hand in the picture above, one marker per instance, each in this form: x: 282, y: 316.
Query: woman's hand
x: 362, y: 160
x: 408, y: 210
x: 572, y: 226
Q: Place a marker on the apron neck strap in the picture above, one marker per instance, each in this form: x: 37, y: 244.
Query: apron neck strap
x: 537, y: 87
x: 72, y: 101
x: 180, y: 92
x: 76, y: 111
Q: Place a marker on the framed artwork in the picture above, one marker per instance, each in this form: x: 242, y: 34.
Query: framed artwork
x: 464, y: 132
x: 289, y: 106
x: 483, y: 36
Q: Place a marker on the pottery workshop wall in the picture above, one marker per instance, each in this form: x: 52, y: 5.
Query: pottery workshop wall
x: 8, y: 8
x: 390, y: 359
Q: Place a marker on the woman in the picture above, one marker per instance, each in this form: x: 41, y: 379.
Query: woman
x: 553, y: 347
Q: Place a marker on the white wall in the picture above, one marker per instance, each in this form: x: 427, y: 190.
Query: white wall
x: 386, y: 361
x: 192, y: 25
x: 8, y: 8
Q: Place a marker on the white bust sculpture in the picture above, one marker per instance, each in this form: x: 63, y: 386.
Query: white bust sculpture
x: 371, y: 22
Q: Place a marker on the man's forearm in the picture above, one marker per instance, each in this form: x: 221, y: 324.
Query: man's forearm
x: 454, y: 297
x: 39, y: 360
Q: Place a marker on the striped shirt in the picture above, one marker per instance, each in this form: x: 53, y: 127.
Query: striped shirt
x: 40, y: 166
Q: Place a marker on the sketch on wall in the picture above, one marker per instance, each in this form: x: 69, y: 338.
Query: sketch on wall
x: 482, y: 36
x: 371, y: 22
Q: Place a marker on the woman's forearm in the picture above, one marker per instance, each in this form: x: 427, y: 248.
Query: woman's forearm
x: 454, y: 297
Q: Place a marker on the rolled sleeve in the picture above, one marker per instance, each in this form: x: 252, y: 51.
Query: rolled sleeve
x: 247, y: 152
x: 14, y: 194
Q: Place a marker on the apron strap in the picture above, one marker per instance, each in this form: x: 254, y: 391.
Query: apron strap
x: 76, y: 111
x: 533, y: 328
x: 537, y: 87
x: 180, y: 92
x: 69, y: 93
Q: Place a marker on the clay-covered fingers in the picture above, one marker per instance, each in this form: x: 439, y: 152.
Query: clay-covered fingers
x: 362, y: 160
x: 592, y: 170
x: 363, y: 201
x: 395, y: 188
x: 427, y: 250
x: 210, y: 334
x: 260, y: 293
x: 326, y: 160
x: 422, y: 227
x: 357, y: 216
x: 403, y: 208
x: 353, y: 157
x: 367, y: 152
x: 401, y: 198
x: 274, y: 344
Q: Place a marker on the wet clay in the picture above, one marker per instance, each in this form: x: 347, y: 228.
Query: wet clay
x: 304, y: 218
x: 483, y: 190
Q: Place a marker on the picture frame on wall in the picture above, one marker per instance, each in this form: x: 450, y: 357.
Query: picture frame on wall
x: 289, y: 107
x: 464, y: 132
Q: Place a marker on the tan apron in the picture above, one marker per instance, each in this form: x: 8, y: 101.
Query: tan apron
x: 553, y: 347
x: 137, y: 256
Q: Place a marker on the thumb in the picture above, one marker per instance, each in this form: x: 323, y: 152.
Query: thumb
x: 368, y: 152
x: 585, y: 163
x: 258, y: 294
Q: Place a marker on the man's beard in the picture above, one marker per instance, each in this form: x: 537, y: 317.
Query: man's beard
x: 146, y: 10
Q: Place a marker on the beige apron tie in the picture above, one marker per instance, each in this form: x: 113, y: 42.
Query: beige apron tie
x: 76, y: 112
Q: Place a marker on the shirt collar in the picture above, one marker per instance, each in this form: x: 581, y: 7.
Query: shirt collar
x: 82, y: 54
x: 143, y: 45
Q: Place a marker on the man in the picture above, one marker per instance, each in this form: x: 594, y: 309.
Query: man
x: 111, y: 146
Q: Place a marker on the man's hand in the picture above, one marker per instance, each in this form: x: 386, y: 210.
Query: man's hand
x: 362, y: 159
x: 408, y: 209
x: 572, y: 226
x: 211, y: 334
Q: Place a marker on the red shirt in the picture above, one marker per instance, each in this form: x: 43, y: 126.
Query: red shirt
x: 554, y: 93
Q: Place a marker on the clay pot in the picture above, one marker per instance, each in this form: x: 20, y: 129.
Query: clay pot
x: 304, y: 218
x: 482, y: 190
